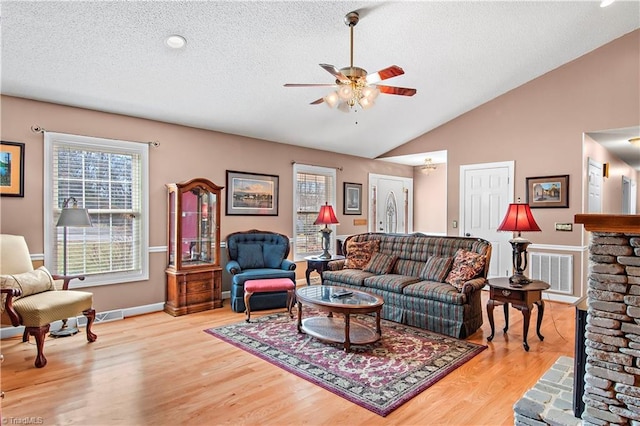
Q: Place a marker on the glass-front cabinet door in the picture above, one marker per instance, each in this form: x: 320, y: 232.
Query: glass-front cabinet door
x: 194, y: 230
x: 193, y: 245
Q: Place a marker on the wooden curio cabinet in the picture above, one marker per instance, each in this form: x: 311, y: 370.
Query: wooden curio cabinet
x: 194, y: 275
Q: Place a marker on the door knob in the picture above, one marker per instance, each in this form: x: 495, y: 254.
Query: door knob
x: 467, y: 234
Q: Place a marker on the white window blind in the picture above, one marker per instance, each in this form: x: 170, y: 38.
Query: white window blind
x: 313, y: 187
x: 109, y: 178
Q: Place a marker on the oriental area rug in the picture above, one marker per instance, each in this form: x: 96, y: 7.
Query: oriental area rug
x: 379, y: 377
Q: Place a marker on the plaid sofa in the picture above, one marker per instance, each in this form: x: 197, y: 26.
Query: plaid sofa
x: 409, y: 299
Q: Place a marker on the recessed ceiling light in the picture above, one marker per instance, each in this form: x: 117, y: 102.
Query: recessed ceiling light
x: 175, y: 41
x: 605, y: 3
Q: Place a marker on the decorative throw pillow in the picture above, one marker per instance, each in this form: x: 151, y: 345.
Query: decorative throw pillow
x: 273, y: 255
x: 436, y: 268
x: 29, y: 283
x: 359, y: 253
x: 466, y: 265
x: 250, y: 256
x: 380, y: 263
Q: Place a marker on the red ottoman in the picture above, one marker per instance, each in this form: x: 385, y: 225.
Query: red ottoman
x: 268, y: 285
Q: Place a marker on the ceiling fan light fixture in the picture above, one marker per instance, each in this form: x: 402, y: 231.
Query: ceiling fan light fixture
x: 370, y: 93
x: 345, y: 92
x: 355, y: 87
x: 365, y: 102
x: 332, y: 99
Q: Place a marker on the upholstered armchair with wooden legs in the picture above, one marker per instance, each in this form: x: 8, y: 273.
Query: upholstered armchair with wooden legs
x: 35, y: 298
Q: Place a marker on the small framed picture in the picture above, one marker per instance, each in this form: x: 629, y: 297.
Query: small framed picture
x: 548, y: 191
x: 252, y: 194
x: 352, y: 198
x: 11, y: 169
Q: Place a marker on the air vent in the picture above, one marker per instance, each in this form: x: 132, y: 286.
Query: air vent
x: 555, y: 269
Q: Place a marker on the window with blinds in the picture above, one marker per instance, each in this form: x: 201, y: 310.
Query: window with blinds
x: 313, y: 187
x: 109, y: 179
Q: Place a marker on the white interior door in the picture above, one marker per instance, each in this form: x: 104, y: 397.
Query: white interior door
x: 391, y: 204
x: 629, y: 199
x: 485, y: 193
x: 594, y: 172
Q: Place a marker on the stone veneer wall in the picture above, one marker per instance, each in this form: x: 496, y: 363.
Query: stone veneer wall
x: 612, y: 379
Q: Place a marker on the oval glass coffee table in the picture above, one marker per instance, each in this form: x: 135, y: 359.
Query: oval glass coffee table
x: 333, y: 299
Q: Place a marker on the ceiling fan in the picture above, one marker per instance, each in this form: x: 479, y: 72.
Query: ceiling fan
x: 354, y: 86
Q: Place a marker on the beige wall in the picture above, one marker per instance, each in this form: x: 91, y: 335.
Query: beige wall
x: 540, y: 126
x: 430, y: 201
x: 184, y: 153
x: 611, y: 186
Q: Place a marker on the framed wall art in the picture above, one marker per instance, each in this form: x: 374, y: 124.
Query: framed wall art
x: 11, y: 169
x: 252, y: 194
x: 548, y: 191
x: 352, y: 198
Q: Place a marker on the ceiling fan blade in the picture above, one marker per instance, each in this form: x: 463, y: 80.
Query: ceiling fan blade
x: 391, y: 90
x: 336, y: 73
x: 317, y: 101
x: 310, y: 85
x: 389, y: 72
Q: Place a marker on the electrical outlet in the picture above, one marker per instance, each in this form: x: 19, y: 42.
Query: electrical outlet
x: 564, y: 227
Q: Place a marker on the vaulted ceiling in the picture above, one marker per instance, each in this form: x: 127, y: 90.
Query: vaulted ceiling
x: 112, y: 56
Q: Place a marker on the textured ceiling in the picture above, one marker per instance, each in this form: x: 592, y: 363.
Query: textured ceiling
x: 111, y: 56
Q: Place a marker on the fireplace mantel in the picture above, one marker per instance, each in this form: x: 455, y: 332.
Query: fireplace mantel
x: 609, y: 222
x: 612, y: 330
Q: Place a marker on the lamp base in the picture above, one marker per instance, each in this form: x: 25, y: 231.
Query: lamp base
x: 64, y: 332
x: 518, y: 280
x: 326, y: 242
x: 325, y: 255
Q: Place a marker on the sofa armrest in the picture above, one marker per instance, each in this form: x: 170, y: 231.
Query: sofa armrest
x: 335, y: 265
x: 474, y: 285
x: 288, y: 265
x: 233, y: 267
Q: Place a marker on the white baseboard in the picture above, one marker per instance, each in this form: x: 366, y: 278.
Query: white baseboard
x: 106, y: 316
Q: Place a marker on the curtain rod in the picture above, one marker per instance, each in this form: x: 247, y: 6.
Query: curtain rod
x: 317, y: 165
x: 37, y: 129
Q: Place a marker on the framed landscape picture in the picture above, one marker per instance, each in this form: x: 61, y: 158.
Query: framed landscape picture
x: 251, y: 194
x: 11, y: 169
x: 352, y: 198
x: 548, y: 191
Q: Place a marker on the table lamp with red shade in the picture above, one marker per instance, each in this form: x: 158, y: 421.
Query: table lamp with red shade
x: 519, y: 219
x: 326, y: 217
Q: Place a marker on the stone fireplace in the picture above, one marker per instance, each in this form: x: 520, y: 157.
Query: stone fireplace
x: 612, y: 338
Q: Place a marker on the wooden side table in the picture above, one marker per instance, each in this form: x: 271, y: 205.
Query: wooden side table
x: 315, y: 263
x: 522, y: 298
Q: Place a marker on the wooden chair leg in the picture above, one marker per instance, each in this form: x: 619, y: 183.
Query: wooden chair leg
x: 25, y: 336
x: 91, y: 316
x: 290, y: 302
x: 247, y: 296
x: 39, y: 333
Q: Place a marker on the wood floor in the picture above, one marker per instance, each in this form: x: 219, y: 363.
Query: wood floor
x: 160, y: 370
